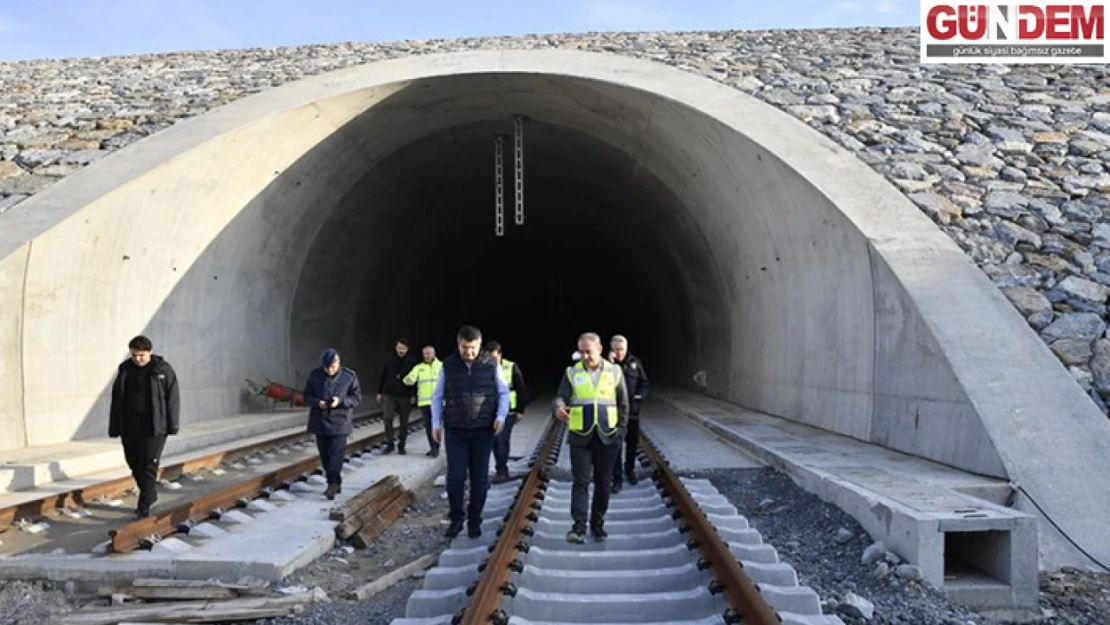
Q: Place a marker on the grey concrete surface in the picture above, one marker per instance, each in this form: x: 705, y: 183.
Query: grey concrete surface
x: 39, y: 470
x: 800, y: 281
x: 267, y: 544
x: 914, y: 507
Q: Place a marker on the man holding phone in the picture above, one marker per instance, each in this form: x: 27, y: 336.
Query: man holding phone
x: 332, y: 393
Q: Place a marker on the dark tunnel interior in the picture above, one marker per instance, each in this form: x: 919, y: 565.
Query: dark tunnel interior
x: 605, y: 247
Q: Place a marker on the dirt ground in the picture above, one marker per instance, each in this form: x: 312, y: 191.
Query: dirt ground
x: 416, y: 534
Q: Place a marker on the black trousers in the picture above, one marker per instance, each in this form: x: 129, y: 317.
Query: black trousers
x: 333, y: 449
x: 592, y: 462
x: 468, y: 453
x: 401, y: 406
x: 427, y: 412
x: 631, y: 444
x: 144, y: 455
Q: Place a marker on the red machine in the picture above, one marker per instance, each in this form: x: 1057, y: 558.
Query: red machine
x: 277, y: 392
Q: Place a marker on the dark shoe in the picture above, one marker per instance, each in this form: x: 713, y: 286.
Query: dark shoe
x: 454, y: 529
x: 615, y: 488
x: 388, y: 449
x: 474, y: 531
x: 331, y: 491
x: 142, y: 513
x: 632, y: 481
x: 401, y: 450
x: 500, y: 478
x: 599, y: 532
x: 577, y: 535
x: 434, y: 453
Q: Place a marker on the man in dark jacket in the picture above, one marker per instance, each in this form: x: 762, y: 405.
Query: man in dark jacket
x: 397, y: 396
x: 636, y: 380
x: 145, y: 409
x: 331, y: 393
x: 470, y: 402
x: 518, y: 400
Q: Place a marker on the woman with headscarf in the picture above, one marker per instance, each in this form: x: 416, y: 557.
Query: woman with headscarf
x: 331, y: 393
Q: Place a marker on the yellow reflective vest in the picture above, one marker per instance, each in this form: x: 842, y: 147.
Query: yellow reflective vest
x: 507, y: 378
x: 593, y: 406
x: 424, y: 376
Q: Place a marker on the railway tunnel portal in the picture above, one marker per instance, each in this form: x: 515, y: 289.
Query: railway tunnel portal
x: 716, y: 232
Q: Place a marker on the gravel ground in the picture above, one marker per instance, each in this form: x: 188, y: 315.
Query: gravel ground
x: 813, y: 536
x: 31, y: 603
x: 417, y: 533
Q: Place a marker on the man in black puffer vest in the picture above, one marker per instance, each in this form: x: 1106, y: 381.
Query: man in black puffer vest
x: 469, y: 407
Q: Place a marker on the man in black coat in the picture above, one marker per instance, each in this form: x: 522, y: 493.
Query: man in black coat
x: 636, y: 380
x: 518, y: 402
x: 145, y: 409
x: 332, y: 393
x: 398, y: 397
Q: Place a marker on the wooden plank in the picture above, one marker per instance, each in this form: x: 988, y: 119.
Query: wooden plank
x: 171, y: 594
x: 361, y: 500
x: 198, y: 611
x: 351, y: 526
x: 374, y: 527
x: 165, y: 582
x: 156, y: 589
x: 389, y: 579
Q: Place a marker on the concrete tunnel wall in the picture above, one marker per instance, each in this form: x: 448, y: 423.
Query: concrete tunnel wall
x: 244, y: 240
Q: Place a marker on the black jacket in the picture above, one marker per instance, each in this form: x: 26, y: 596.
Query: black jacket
x: 394, y: 370
x: 164, y: 398
x: 636, y: 380
x: 521, y: 391
x: 331, y: 421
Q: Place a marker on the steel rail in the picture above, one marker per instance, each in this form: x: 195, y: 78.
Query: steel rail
x: 137, y: 533
x: 485, y: 595
x: 83, y: 496
x: 748, y: 604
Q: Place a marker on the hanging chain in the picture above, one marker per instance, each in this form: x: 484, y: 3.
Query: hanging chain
x: 499, y: 180
x: 519, y: 167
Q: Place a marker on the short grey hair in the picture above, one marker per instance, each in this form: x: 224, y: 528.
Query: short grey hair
x: 618, y: 339
x: 592, y: 337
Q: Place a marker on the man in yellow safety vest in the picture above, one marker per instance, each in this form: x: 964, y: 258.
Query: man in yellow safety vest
x: 593, y: 401
x: 511, y: 375
x: 424, y: 376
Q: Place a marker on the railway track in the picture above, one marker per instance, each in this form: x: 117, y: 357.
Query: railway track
x: 677, y: 553
x: 183, y: 517
x: 187, y: 512
x: 81, y: 497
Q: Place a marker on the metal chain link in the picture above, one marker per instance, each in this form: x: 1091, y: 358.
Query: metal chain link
x: 499, y: 179
x: 519, y: 167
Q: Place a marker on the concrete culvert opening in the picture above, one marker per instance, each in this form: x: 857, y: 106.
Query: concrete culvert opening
x: 725, y: 237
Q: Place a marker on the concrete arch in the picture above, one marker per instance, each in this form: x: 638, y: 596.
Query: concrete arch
x: 803, y: 283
